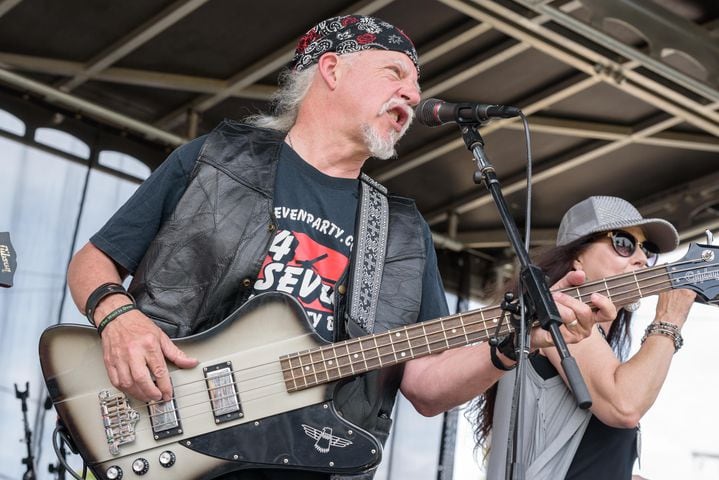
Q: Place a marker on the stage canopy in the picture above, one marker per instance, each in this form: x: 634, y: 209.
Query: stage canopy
x: 622, y: 97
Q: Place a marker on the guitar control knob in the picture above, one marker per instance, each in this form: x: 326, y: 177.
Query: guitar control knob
x: 140, y: 466
x: 167, y: 459
x: 113, y: 473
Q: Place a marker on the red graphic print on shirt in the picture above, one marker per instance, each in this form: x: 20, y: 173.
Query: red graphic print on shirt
x: 298, y: 265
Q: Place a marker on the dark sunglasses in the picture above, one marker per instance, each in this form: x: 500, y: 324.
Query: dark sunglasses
x: 625, y: 244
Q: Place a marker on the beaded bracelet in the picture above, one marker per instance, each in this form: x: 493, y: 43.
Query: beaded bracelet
x: 113, y: 315
x: 104, y: 290
x: 668, y: 329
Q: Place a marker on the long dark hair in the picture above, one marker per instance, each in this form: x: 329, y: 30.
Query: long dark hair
x: 555, y: 262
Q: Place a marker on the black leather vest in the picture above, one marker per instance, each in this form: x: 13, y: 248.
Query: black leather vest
x: 204, y: 261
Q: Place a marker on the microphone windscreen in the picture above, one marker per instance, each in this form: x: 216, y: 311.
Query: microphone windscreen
x: 426, y: 112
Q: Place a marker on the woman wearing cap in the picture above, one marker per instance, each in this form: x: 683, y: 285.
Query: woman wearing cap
x: 601, y: 236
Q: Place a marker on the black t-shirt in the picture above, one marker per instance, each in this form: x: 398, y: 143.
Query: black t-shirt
x: 309, y: 254
x: 315, y: 213
x: 605, y: 452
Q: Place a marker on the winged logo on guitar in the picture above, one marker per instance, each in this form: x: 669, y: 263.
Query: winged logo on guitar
x: 253, y: 399
x: 324, y: 438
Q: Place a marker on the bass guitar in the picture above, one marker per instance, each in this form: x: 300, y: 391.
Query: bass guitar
x: 261, y: 396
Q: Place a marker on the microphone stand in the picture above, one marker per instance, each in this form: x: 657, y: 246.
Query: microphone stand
x: 28, y: 461
x: 535, y: 293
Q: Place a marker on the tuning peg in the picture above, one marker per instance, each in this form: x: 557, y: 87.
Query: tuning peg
x: 710, y: 236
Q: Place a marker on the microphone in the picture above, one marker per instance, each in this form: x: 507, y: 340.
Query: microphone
x: 433, y: 112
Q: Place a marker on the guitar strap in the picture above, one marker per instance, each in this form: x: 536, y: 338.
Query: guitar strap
x: 368, y: 254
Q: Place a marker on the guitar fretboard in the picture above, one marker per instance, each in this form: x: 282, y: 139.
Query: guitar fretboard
x: 355, y: 356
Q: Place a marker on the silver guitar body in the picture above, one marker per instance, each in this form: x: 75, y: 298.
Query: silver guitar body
x: 231, y: 412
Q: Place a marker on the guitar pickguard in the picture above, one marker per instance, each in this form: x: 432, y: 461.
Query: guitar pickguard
x: 311, y: 438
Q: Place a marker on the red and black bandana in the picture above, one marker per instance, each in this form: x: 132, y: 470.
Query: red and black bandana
x: 349, y: 34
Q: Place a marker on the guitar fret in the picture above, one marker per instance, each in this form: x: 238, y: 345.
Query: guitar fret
x: 409, y: 342
x: 379, y: 353
x: 606, y: 289
x: 312, y: 368
x: 347, y: 357
x: 484, y: 320
x: 403, y: 345
x: 389, y: 357
x: 337, y: 361
x: 638, y: 287
x: 426, y: 339
x: 292, y: 374
x: 464, y: 329
x: 444, y: 333
x: 391, y: 344
x: 451, y: 330
x: 362, y: 350
x: 302, y: 369
x: 309, y: 368
x: 324, y: 365
x: 431, y: 337
x: 354, y: 355
x: 358, y: 356
x: 417, y: 347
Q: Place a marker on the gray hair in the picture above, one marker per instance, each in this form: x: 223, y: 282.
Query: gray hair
x: 286, y: 100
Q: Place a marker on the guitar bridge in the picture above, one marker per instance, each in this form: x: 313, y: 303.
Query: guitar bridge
x: 119, y: 419
x: 222, y: 389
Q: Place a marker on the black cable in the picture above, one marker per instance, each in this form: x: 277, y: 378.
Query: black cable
x: 514, y: 445
x: 58, y: 433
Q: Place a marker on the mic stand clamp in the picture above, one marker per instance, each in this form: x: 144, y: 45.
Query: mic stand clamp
x: 507, y: 345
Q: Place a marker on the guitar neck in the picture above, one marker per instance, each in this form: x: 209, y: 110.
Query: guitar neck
x: 359, y: 355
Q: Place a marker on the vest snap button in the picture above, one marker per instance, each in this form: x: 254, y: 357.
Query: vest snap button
x: 342, y: 289
x: 271, y: 227
x: 246, y: 282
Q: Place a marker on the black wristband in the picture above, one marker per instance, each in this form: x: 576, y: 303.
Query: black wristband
x: 113, y: 315
x: 104, y: 290
x: 496, y: 360
x: 507, y: 348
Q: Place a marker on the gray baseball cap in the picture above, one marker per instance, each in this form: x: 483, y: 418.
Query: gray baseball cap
x: 602, y: 214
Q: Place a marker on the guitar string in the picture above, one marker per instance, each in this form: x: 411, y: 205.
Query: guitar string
x: 409, y: 338
x: 245, y: 401
x: 618, y: 296
x: 648, y: 288
x: 423, y: 326
x: 255, y: 399
x: 239, y: 391
x: 582, y: 290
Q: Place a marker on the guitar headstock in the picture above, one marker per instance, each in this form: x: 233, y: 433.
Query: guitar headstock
x: 698, y: 271
x: 8, y: 260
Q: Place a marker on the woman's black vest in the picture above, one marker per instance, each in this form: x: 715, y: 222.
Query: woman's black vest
x: 204, y: 261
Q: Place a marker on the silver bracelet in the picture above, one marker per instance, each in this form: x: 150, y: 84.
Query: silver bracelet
x: 663, y: 328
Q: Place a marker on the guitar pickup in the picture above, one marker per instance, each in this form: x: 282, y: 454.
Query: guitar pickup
x: 222, y: 389
x: 164, y: 419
